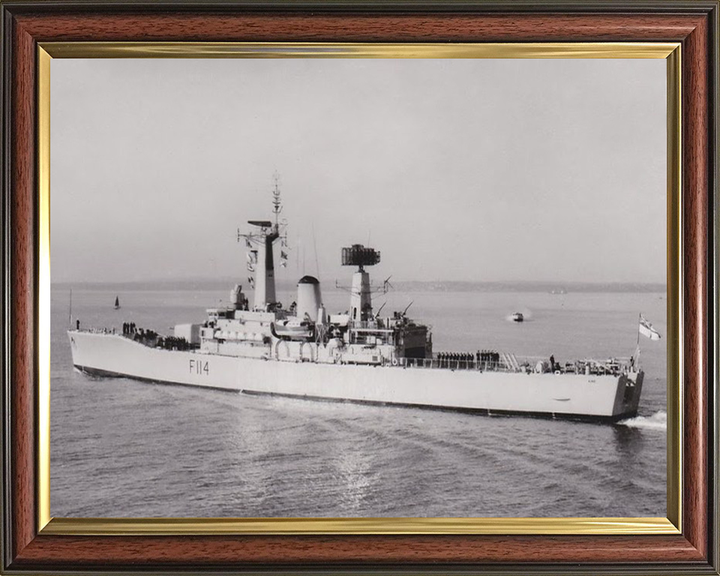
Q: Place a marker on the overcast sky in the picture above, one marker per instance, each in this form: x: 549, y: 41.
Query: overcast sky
x: 549, y: 170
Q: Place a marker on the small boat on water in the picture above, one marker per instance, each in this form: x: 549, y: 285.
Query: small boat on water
x: 518, y: 317
x: 117, y: 303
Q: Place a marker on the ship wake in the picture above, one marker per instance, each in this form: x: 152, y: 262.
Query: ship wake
x: 657, y: 421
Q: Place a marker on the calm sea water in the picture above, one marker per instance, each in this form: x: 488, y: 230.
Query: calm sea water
x: 121, y: 448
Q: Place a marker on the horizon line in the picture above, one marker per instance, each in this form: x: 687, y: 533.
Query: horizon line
x: 224, y: 279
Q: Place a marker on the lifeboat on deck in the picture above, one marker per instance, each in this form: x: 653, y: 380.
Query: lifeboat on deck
x: 292, y: 329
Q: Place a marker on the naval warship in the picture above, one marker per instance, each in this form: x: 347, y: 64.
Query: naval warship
x: 357, y: 356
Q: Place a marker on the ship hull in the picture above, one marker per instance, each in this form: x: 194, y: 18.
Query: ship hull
x: 573, y: 396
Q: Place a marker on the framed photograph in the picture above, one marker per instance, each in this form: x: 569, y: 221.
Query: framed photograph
x: 360, y: 287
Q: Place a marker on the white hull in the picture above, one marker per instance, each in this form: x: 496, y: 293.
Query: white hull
x: 591, y: 397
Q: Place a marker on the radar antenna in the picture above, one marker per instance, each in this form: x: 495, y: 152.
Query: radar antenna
x: 361, y: 256
x: 361, y: 292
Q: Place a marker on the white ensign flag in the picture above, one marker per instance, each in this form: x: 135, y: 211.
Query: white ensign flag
x: 646, y: 329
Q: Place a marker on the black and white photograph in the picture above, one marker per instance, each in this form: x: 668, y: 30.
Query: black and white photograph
x: 358, y: 288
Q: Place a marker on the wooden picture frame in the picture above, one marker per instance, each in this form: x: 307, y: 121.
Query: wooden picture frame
x: 31, y: 545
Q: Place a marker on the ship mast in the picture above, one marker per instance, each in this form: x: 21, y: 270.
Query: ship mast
x: 277, y: 202
x: 360, y: 293
x: 260, y: 256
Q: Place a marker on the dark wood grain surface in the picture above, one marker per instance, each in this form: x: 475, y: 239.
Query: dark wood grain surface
x: 360, y: 28
x: 689, y: 552
x: 319, y: 550
x: 22, y: 274
x: 695, y: 238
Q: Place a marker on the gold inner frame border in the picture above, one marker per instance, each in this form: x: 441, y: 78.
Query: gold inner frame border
x: 670, y: 51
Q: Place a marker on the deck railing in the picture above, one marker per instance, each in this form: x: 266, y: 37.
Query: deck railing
x: 612, y: 366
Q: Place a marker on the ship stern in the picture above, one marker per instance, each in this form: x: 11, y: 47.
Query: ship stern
x: 627, y: 396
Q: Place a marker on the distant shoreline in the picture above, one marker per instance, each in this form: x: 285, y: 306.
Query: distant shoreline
x: 400, y: 286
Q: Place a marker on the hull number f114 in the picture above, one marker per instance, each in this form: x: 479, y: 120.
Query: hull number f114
x: 199, y: 367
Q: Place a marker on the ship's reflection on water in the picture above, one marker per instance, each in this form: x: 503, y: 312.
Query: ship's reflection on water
x: 628, y: 441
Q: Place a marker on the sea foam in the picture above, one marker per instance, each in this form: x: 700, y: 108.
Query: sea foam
x: 657, y: 421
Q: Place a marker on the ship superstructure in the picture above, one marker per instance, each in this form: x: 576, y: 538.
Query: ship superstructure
x: 259, y: 346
